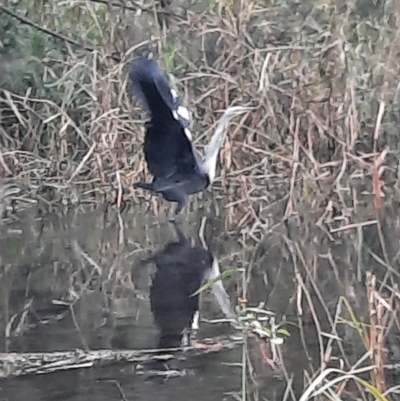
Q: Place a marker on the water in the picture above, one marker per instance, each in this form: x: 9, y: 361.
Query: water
x: 91, y: 260
x: 82, y: 258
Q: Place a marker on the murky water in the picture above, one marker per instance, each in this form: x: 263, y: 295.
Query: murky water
x: 91, y: 260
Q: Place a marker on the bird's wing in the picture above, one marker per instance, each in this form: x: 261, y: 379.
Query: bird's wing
x: 168, y: 147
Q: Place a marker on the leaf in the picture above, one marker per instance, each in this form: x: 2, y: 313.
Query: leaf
x: 372, y: 389
x: 284, y: 332
x: 210, y: 283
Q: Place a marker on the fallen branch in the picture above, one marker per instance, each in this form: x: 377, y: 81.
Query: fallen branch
x: 15, y: 364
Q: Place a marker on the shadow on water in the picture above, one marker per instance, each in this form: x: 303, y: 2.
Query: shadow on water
x: 94, y: 280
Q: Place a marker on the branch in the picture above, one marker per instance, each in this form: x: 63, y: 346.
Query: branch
x: 15, y: 364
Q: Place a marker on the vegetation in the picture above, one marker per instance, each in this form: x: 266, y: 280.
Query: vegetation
x: 310, y: 177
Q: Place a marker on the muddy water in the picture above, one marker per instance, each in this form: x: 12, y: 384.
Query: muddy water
x: 91, y: 260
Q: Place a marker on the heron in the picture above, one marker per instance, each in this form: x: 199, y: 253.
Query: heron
x: 177, y: 169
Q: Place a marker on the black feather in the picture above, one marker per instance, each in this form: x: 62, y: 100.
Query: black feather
x: 168, y: 151
x: 153, y: 90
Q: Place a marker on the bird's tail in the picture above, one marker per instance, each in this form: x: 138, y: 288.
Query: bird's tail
x: 152, y: 88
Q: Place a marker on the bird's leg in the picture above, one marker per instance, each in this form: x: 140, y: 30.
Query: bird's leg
x: 195, y: 323
x: 176, y: 195
x: 186, y: 336
x: 144, y: 185
x: 182, y: 200
x: 182, y: 238
x: 190, y: 333
x: 194, y: 329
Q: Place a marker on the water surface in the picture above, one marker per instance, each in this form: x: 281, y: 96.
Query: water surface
x: 90, y: 260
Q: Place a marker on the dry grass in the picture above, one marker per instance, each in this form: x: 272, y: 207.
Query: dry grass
x: 310, y: 177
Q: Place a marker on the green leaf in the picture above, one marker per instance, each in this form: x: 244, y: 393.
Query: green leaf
x: 284, y: 332
x: 210, y: 283
x: 372, y: 389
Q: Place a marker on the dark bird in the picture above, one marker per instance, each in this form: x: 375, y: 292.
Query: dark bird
x: 168, y: 149
x: 181, y: 270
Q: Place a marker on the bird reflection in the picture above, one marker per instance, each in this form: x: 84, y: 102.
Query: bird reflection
x: 181, y: 270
